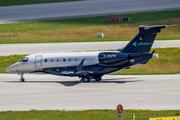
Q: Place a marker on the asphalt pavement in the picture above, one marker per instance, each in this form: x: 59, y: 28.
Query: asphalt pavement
x: 89, y: 8
x: 11, y: 49
x: 48, y: 92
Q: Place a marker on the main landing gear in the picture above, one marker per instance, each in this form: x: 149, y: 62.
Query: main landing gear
x: 88, y: 78
x: 98, y: 78
x: 85, y: 79
x: 22, y: 79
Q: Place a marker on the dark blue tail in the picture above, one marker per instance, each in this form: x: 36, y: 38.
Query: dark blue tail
x: 144, y: 40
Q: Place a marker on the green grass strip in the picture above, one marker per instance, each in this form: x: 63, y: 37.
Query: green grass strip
x: 25, y: 2
x: 85, y: 115
x: 18, y: 41
x: 14, y: 41
x: 136, y: 19
x: 78, y: 29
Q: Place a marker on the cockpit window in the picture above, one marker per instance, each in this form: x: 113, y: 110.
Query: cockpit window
x: 25, y: 59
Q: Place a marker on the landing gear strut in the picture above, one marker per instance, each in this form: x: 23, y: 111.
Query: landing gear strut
x: 85, y: 79
x: 22, y: 79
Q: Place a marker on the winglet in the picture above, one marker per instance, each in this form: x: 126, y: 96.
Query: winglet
x: 79, y: 67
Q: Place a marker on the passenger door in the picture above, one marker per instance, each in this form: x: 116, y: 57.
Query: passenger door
x: 38, y: 64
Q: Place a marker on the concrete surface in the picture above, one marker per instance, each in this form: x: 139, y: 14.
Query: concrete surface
x: 10, y: 49
x: 89, y: 8
x: 42, y: 92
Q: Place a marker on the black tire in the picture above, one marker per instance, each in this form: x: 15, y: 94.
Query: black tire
x: 85, y: 79
x: 98, y: 78
x: 22, y: 80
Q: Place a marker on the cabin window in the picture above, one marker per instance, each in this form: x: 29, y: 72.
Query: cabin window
x: 25, y: 59
x: 76, y: 59
x: 64, y: 60
x: 52, y: 60
x: 70, y: 59
x: 58, y: 60
x: 45, y: 60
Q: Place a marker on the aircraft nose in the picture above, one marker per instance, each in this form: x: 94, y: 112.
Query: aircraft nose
x: 11, y: 69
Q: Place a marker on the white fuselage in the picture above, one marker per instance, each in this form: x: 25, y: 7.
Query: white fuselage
x: 69, y: 59
x: 38, y: 62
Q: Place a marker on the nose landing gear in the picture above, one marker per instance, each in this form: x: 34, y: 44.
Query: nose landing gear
x: 21, y: 79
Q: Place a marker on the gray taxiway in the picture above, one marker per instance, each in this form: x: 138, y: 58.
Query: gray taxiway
x: 42, y: 92
x: 10, y: 49
x: 89, y: 8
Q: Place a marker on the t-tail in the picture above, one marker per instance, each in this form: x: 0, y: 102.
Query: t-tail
x: 144, y: 40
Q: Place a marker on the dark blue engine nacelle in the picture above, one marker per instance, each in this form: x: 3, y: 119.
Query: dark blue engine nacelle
x: 112, y: 57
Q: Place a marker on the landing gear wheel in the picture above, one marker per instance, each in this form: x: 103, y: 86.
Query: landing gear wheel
x: 98, y: 78
x: 85, y: 79
x: 22, y: 80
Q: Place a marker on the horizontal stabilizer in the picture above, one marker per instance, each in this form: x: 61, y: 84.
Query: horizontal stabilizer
x: 142, y: 63
x: 172, y: 25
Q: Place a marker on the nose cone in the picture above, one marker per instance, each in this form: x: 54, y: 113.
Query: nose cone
x: 12, y: 69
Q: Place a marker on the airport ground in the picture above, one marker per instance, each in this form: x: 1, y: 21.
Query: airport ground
x: 87, y: 8
x: 41, y: 92
x: 44, y: 92
x: 18, y: 49
x: 85, y: 29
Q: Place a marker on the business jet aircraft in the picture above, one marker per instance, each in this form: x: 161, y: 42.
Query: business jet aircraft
x: 91, y: 65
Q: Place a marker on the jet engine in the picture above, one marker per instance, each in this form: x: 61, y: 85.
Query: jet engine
x: 110, y: 59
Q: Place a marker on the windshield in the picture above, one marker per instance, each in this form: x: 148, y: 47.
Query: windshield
x: 25, y: 59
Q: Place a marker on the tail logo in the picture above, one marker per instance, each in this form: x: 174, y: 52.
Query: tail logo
x: 141, y: 43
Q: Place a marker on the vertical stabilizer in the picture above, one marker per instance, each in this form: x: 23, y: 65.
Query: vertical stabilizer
x: 144, y: 40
